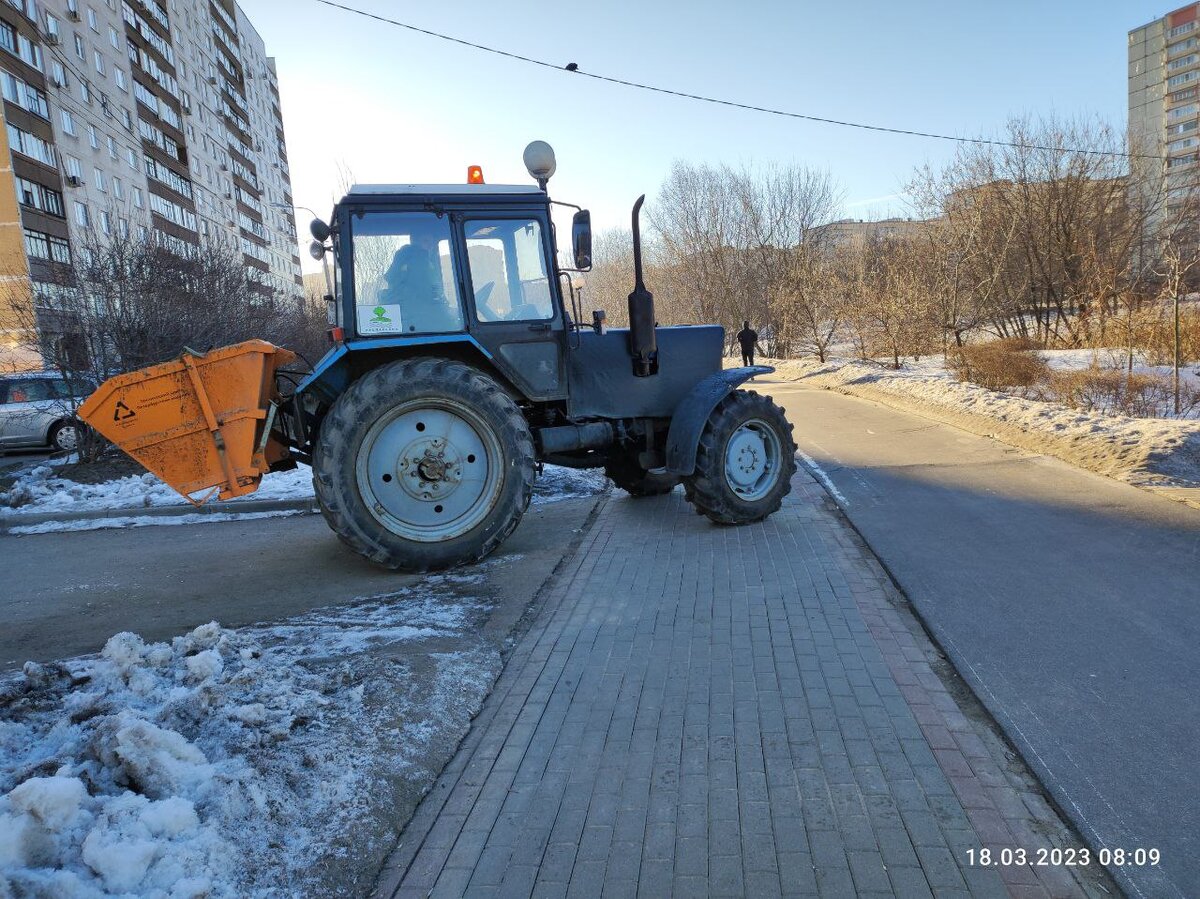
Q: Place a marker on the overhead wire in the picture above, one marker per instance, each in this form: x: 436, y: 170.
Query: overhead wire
x: 573, y: 68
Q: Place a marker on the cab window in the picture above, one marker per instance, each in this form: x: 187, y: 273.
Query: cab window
x: 507, y: 258
x: 404, y: 274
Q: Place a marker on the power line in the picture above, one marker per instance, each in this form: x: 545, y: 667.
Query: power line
x: 574, y: 69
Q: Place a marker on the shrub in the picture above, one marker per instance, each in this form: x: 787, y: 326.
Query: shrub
x: 1115, y: 392
x: 1156, y: 336
x: 1000, y: 364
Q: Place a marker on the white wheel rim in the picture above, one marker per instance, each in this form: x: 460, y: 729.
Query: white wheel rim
x: 430, y: 470
x: 67, y: 437
x: 752, y: 460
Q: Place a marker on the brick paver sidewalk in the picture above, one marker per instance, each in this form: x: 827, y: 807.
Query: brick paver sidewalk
x: 725, y: 711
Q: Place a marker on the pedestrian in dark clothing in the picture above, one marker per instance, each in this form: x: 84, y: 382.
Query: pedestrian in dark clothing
x: 748, y: 338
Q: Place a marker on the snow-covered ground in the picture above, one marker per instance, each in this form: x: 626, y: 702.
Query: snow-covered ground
x: 43, y: 490
x: 1114, y: 358
x: 249, y: 762
x: 1144, y: 451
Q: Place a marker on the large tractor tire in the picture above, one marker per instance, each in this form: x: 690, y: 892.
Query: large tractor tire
x: 424, y: 464
x: 744, y: 462
x: 626, y: 473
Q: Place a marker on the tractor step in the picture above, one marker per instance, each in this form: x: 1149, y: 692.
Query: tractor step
x: 200, y: 422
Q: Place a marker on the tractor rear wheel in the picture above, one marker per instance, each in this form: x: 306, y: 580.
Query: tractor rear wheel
x: 744, y: 462
x: 626, y: 473
x: 424, y: 464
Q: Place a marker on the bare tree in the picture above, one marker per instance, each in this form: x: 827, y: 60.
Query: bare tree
x: 735, y: 244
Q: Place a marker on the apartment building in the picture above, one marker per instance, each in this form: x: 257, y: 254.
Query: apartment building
x: 1164, y: 100
x: 848, y: 232
x: 145, y: 118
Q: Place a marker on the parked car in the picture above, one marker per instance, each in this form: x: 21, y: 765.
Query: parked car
x: 37, y: 409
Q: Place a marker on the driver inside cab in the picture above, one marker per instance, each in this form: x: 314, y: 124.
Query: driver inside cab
x: 414, y: 281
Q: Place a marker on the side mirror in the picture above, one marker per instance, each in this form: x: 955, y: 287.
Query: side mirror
x: 319, y: 230
x: 581, y: 238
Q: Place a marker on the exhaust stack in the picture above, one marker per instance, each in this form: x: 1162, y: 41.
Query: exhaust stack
x: 643, y: 346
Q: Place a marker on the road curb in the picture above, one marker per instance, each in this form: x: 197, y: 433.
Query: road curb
x: 7, y: 522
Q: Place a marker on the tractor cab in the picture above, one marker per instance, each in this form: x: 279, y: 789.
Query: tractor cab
x: 466, y: 264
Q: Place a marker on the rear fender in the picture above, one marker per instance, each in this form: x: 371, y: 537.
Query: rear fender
x: 687, y: 423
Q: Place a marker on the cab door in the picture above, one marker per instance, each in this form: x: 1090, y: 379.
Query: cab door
x: 513, y: 299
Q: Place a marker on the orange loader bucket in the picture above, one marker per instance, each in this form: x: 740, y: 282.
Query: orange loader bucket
x: 199, y: 422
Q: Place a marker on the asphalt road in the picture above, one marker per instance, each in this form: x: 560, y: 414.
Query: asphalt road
x: 1069, y: 602
x: 64, y: 594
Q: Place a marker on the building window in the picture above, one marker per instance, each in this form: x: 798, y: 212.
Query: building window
x: 93, y: 138
x: 113, y: 39
x: 105, y: 222
x: 99, y: 61
x: 74, y: 169
x: 51, y: 25
x: 91, y: 17
x: 24, y: 95
x: 85, y: 92
x: 79, y: 47
x: 81, y: 214
x: 20, y: 46
x: 112, y: 148
x: 137, y: 198
x: 117, y: 191
x: 98, y: 177
x: 29, y: 145
x: 47, y: 246
x: 40, y: 197
x: 119, y: 75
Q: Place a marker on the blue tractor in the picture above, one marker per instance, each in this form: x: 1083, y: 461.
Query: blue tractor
x: 459, y: 366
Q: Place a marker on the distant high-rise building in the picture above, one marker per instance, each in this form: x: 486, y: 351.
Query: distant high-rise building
x: 1164, y: 98
x: 124, y: 118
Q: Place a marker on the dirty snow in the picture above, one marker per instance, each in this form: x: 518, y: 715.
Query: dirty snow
x: 40, y: 491
x: 1151, y: 452
x: 557, y: 483
x: 142, y: 521
x: 234, y: 762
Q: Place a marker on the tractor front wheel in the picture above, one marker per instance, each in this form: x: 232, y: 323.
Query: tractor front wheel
x: 744, y: 462
x: 626, y: 473
x: 423, y: 464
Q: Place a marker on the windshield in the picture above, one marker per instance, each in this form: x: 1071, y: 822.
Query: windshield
x: 404, y: 274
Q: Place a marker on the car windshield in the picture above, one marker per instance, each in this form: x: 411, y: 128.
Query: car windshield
x: 404, y: 274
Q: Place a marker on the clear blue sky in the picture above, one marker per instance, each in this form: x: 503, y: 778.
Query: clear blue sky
x: 392, y: 105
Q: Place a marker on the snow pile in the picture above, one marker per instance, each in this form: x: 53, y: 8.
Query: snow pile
x: 141, y: 521
x: 1149, y: 452
x: 556, y: 483
x: 231, y: 762
x: 42, y: 490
